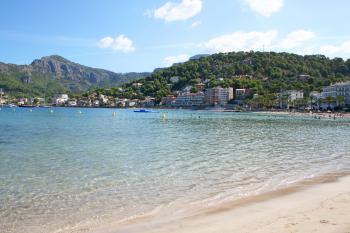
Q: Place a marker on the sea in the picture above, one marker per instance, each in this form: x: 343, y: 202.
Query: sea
x: 76, y: 169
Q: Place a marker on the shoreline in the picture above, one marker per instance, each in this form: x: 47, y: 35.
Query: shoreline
x: 290, y: 209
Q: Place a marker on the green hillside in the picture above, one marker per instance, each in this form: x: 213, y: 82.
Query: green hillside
x: 264, y: 72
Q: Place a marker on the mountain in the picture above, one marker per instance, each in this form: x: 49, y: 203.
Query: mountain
x: 55, y: 74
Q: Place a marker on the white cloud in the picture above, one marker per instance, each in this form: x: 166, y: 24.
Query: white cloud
x: 343, y: 48
x: 120, y: 43
x: 196, y: 24
x: 265, y: 7
x: 183, y: 10
x: 296, y: 38
x: 105, y: 42
x: 328, y: 49
x: 298, y: 41
x: 241, y: 41
x: 175, y: 59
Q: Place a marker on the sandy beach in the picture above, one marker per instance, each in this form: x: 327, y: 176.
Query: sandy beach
x: 308, y: 207
x: 320, y: 115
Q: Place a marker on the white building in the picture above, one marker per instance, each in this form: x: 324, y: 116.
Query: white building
x: 290, y: 96
x: 137, y: 85
x: 174, y: 79
x: 103, y: 99
x: 72, y: 103
x: 121, y: 102
x: 60, y: 99
x: 190, y: 99
x: 240, y: 93
x: 337, y: 90
x: 96, y: 103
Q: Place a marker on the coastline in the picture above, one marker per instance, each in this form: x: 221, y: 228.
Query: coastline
x: 316, y: 205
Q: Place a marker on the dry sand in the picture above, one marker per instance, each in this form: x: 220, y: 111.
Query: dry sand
x: 323, y: 207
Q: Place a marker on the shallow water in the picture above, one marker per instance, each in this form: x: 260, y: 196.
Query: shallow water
x: 64, y: 170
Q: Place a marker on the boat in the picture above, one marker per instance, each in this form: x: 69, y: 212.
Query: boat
x: 27, y: 106
x: 9, y: 106
x: 142, y: 110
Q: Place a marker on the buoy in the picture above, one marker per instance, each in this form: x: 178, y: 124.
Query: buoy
x: 30, y: 110
x: 80, y: 112
x: 51, y: 111
x: 163, y: 116
x: 13, y: 109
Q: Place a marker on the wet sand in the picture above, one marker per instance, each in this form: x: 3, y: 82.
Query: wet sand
x: 321, y: 205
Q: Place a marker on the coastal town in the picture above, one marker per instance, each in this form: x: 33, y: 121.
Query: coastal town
x: 199, y: 96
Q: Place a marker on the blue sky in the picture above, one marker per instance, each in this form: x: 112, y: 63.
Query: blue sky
x: 137, y: 35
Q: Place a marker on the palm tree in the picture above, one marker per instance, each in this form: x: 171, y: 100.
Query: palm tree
x: 329, y: 100
x: 340, y: 101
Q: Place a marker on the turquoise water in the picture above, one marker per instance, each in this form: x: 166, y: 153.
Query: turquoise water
x: 64, y: 171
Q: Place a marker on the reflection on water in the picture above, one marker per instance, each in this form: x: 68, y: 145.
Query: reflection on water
x: 62, y: 169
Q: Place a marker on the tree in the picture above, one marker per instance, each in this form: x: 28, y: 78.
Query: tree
x: 340, y: 101
x: 194, y: 90
x: 329, y: 100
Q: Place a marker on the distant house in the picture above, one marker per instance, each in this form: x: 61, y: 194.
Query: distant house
x: 60, y: 99
x: 137, y: 85
x: 174, y: 79
x: 72, y: 103
x: 22, y: 101
x: 131, y: 103
x: 96, y: 103
x: 121, y: 103
x: 304, y: 77
x: 200, y: 86
x: 240, y: 93
x: 288, y: 97
x: 148, y: 102
x: 103, y: 99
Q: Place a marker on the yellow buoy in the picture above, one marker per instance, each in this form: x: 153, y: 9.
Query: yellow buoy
x: 164, y: 116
